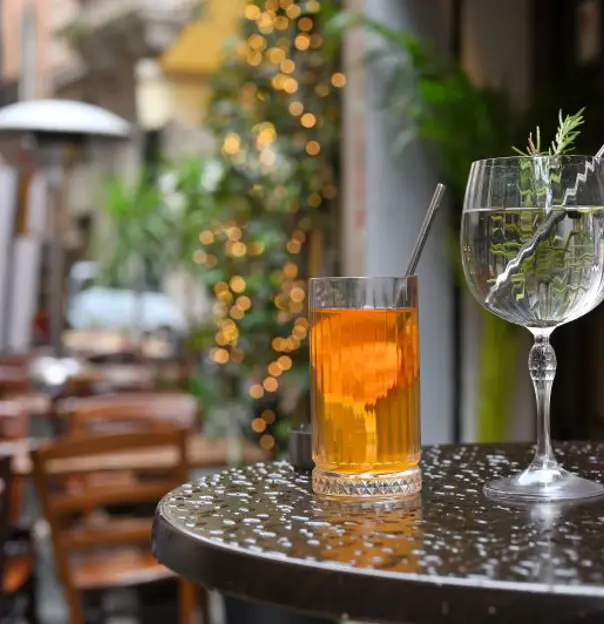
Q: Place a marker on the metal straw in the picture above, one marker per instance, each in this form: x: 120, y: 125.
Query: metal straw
x: 425, y: 229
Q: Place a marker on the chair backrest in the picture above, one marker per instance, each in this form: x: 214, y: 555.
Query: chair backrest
x: 127, y: 411
x: 78, y: 476
x: 133, y: 377
x: 17, y: 358
x: 14, y: 379
x: 14, y: 420
x: 14, y: 427
x: 6, y: 482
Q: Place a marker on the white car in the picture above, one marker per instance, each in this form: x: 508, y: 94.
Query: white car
x: 119, y: 309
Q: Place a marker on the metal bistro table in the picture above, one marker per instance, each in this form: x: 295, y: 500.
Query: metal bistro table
x: 257, y: 532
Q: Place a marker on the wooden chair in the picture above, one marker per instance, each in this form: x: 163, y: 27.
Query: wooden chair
x: 14, y: 426
x: 17, y: 555
x: 94, y: 550
x: 5, y: 507
x: 14, y: 380
x: 112, y: 413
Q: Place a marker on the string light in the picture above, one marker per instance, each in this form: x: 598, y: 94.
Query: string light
x: 285, y: 362
x: 293, y: 11
x: 257, y: 248
x: 200, y: 257
x: 313, y: 148
x: 277, y: 344
x: 245, y: 303
x: 299, y: 332
x: 338, y: 80
x: 237, y: 284
x: 308, y: 120
x: 221, y: 356
x: 288, y: 67
x: 256, y: 391
x: 322, y: 89
x: 268, y: 158
x: 290, y: 270
x: 296, y: 108
x: 313, y: 6
x: 234, y: 233
x: 275, y: 56
x: 236, y: 312
x: 267, y: 442
x: 266, y: 22
x: 256, y: 42
x: 278, y: 81
x: 231, y: 144
x: 316, y: 41
x: 268, y: 416
x: 297, y: 295
x: 237, y: 356
x: 270, y: 384
x: 258, y: 425
x: 252, y: 12
x: 305, y: 24
x: 314, y: 200
x: 238, y: 249
x: 254, y: 58
x: 274, y: 369
x: 282, y: 23
x: 206, y: 237
x: 293, y: 246
x: 302, y: 42
x: 283, y: 43
x: 290, y: 85
x: 218, y: 309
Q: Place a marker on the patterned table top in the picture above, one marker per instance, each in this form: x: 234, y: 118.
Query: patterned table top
x: 258, y: 532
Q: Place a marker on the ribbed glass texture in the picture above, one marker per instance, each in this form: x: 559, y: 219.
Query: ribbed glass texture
x: 365, y: 387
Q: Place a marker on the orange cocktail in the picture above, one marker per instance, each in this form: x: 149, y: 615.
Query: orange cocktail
x: 365, y: 382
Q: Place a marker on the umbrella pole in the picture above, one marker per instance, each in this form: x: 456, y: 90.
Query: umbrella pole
x: 57, y: 252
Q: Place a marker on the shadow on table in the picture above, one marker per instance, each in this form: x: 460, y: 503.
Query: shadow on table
x: 243, y: 612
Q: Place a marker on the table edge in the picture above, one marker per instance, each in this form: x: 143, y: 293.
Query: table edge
x: 211, y: 564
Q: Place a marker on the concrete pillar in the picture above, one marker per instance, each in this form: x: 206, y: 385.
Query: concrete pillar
x: 398, y: 190
x: 354, y: 149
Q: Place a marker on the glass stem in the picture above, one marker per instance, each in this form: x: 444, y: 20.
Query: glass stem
x: 542, y: 367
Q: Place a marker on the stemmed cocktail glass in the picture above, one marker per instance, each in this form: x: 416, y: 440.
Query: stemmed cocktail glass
x: 532, y: 243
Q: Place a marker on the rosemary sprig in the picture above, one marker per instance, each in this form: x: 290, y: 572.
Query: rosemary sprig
x: 563, y: 143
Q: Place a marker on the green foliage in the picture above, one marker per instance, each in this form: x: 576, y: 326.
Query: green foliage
x: 566, y: 136
x: 153, y: 223
x: 274, y: 114
x: 429, y: 95
x: 135, y: 231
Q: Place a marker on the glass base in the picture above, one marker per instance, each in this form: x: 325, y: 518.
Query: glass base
x: 543, y: 483
x: 359, y: 488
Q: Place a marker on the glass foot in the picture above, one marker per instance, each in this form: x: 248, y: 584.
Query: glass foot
x: 359, y: 488
x: 543, y: 483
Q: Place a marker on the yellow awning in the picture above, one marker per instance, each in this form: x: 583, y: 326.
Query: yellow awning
x: 198, y: 49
